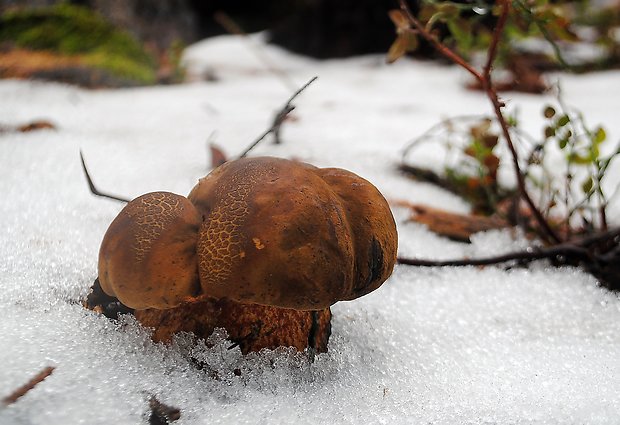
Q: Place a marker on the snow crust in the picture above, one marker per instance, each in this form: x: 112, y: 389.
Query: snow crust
x: 441, y: 346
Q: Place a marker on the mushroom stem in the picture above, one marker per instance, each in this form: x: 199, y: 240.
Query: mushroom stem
x: 252, y: 327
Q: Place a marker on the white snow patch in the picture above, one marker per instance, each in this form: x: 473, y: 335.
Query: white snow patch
x: 430, y: 346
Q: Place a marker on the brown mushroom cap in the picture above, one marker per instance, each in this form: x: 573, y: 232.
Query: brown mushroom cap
x: 372, y: 228
x: 148, y: 254
x: 287, y: 234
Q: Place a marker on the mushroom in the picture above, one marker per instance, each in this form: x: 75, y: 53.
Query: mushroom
x: 148, y: 256
x: 255, y: 236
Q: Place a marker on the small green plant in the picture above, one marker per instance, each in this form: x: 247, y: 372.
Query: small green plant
x: 582, y: 199
x: 77, y: 31
x: 467, y: 27
x: 564, y: 168
x: 590, y: 244
x: 477, y: 169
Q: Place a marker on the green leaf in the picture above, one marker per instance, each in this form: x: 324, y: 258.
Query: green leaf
x: 587, y: 185
x: 461, y: 32
x: 563, y: 120
x: 600, y: 135
x: 562, y: 143
x: 449, y: 10
x: 405, y: 42
x: 399, y: 19
x: 575, y: 158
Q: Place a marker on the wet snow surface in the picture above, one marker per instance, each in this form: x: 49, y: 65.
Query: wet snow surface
x: 431, y: 346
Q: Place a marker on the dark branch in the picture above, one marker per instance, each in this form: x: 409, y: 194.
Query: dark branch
x: 429, y: 176
x: 608, y: 236
x: 497, y: 35
x: 576, y: 250
x: 441, y: 48
x: 497, y: 106
x: 484, y: 78
x: 567, y: 251
x: 21, y: 391
x: 92, y: 187
x: 278, y: 120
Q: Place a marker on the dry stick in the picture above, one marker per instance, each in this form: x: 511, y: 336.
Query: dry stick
x: 545, y: 33
x: 497, y: 106
x: 497, y: 34
x: 485, y: 81
x: 92, y: 187
x: 21, y: 391
x: 275, y: 129
x: 438, y: 45
x: 576, y: 249
x: 566, y: 250
x: 278, y: 120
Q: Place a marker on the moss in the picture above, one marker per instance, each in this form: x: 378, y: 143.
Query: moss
x: 76, y: 31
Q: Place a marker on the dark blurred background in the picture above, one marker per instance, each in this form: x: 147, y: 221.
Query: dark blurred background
x: 105, y: 43
x: 320, y: 28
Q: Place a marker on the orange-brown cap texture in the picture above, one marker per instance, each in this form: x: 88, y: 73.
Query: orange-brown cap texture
x: 372, y: 228
x: 287, y: 234
x: 148, y: 255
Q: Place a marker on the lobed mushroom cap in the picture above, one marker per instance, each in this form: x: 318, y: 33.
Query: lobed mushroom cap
x: 372, y: 228
x: 148, y: 255
x: 287, y: 234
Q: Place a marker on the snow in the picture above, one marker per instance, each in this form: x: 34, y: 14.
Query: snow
x: 450, y: 345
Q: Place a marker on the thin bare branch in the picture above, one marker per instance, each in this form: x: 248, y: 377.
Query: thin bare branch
x: 540, y: 219
x: 484, y: 78
x: 278, y: 120
x: 574, y: 250
x: 441, y: 48
x: 545, y: 33
x: 562, y: 250
x: 92, y: 187
x: 497, y: 35
x: 21, y: 391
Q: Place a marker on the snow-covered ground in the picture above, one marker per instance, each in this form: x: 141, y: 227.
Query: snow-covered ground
x: 430, y: 346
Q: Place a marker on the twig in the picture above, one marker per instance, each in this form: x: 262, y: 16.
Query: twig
x: 576, y: 250
x: 21, y: 391
x: 484, y: 79
x: 598, y: 238
x: 92, y: 187
x: 233, y: 28
x: 497, y: 35
x: 441, y: 48
x: 278, y: 120
x: 564, y: 250
x: 543, y: 30
x: 497, y: 106
x: 429, y: 176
